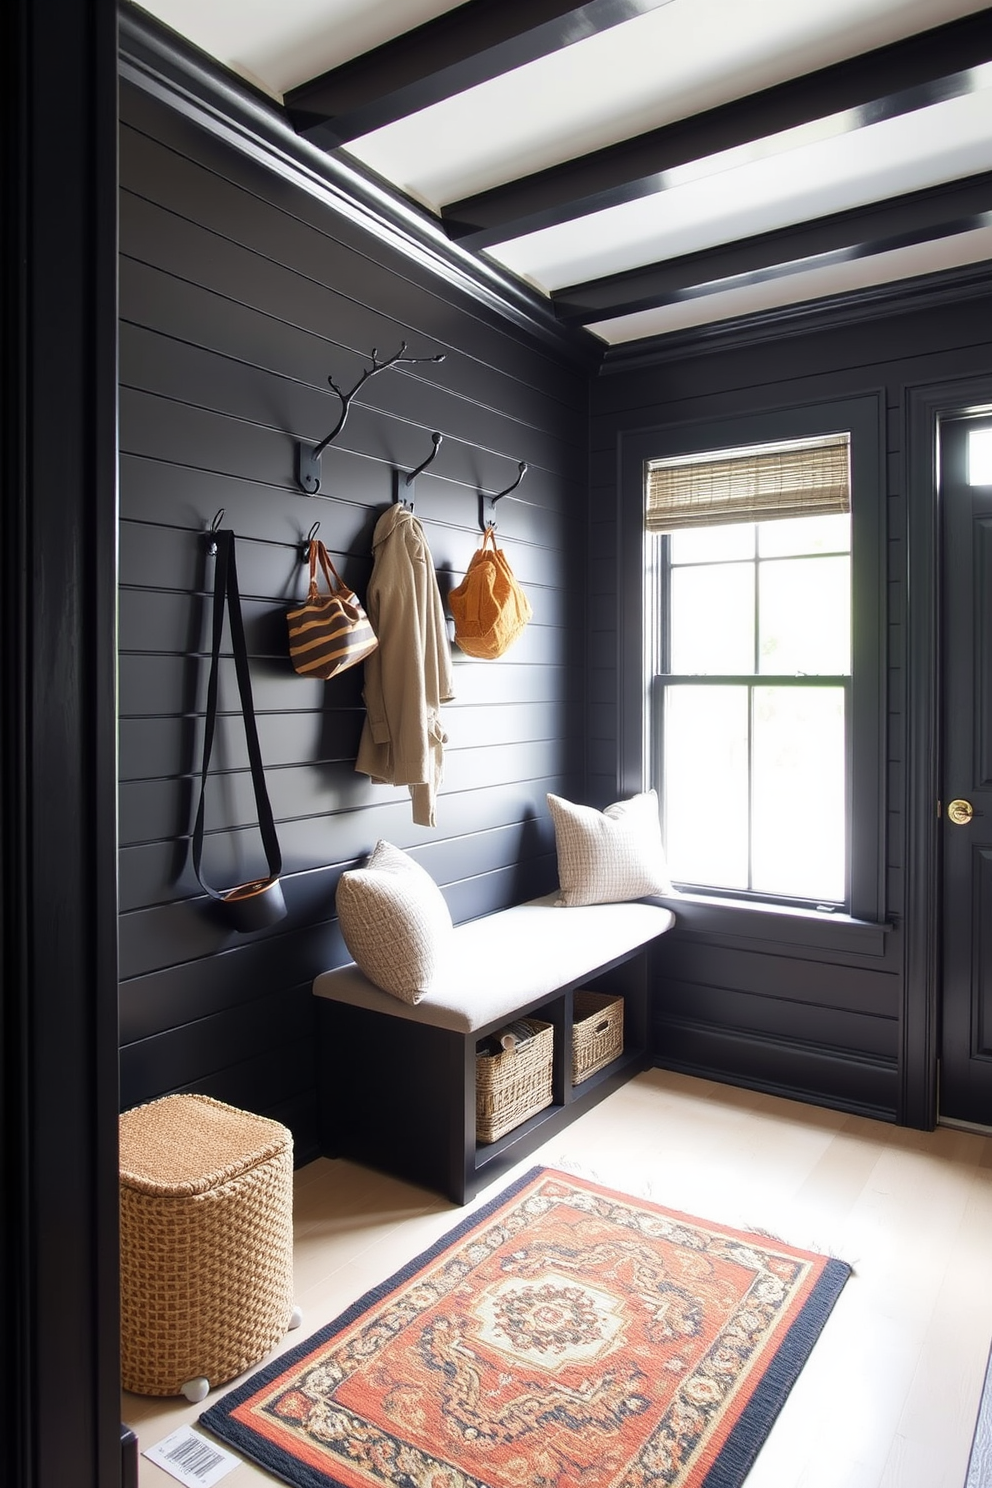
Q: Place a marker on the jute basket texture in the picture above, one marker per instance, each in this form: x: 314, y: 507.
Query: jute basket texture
x: 597, y: 1032
x: 513, y: 1085
x: 206, y: 1241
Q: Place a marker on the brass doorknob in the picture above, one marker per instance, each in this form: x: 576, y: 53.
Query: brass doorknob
x: 960, y: 812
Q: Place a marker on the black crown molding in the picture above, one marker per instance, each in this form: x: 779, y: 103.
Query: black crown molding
x: 165, y: 66
x: 803, y: 317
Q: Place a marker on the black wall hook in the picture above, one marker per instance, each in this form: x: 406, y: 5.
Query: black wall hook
x: 403, y: 484
x: 214, y: 527
x: 308, y: 540
x: 487, y: 504
x: 308, y: 455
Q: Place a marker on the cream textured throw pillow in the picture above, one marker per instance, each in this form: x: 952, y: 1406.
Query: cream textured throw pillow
x: 611, y: 855
x: 395, y: 922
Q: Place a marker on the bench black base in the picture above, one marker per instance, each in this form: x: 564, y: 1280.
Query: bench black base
x: 400, y: 1096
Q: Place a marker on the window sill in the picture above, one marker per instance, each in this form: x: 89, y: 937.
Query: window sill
x: 706, y: 914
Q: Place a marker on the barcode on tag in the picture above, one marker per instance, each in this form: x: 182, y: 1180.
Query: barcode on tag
x: 190, y: 1458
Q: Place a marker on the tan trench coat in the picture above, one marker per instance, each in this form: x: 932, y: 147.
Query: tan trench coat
x: 409, y: 676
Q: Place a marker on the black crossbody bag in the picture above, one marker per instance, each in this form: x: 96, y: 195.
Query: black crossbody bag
x: 250, y: 906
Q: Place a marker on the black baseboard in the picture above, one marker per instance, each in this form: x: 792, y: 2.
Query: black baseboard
x: 808, y: 1094
x: 129, y: 1458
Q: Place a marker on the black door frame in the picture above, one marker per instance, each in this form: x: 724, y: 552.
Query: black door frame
x: 965, y: 1087
x: 58, y: 758
x: 925, y: 407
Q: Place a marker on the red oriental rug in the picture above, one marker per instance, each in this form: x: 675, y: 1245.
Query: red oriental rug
x: 564, y: 1336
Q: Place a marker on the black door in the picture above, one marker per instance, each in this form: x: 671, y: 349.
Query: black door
x: 966, y: 799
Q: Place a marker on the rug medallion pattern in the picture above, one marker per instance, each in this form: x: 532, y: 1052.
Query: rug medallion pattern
x: 569, y: 1337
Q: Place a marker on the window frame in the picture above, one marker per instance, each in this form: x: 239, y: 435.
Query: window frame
x: 863, y: 418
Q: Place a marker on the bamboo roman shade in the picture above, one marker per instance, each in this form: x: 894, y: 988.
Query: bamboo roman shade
x: 807, y: 478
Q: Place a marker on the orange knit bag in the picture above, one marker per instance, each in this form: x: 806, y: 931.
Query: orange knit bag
x: 489, y: 607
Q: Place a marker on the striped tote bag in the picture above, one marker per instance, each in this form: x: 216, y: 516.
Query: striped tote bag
x: 331, y: 631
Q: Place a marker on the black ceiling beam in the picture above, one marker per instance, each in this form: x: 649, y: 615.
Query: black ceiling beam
x: 468, y: 45
x: 899, y: 222
x: 898, y: 78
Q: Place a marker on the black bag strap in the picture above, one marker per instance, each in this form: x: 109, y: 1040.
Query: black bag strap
x: 226, y: 594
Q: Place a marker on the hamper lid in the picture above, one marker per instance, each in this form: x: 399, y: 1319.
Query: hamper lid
x: 187, y: 1144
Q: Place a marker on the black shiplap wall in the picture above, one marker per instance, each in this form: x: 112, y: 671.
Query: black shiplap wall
x: 822, y: 1024
x: 240, y: 294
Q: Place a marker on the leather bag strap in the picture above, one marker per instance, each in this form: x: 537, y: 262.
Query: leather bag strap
x: 318, y: 553
x: 227, y: 596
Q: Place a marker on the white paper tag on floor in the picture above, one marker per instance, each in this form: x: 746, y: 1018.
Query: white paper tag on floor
x: 191, y: 1458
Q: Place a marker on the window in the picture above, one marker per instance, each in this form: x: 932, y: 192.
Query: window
x: 980, y: 457
x: 760, y: 606
x: 752, y: 704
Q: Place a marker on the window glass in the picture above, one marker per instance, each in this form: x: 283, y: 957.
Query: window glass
x: 799, y: 792
x: 805, y: 535
x: 705, y: 792
x: 714, y: 544
x: 712, y: 619
x: 805, y: 616
x: 980, y: 457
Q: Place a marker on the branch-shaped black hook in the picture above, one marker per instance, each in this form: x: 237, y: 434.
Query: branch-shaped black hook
x: 488, y: 503
x: 308, y: 456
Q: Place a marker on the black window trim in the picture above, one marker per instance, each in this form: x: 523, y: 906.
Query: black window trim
x: 864, y: 417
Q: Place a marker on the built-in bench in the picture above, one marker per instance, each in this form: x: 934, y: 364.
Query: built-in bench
x: 397, y: 1081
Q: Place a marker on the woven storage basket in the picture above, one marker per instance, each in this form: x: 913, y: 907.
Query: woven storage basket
x: 206, y: 1241
x: 511, y: 1086
x: 597, y: 1033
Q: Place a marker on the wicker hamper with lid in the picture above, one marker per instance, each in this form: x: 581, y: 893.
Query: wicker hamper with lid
x: 206, y: 1242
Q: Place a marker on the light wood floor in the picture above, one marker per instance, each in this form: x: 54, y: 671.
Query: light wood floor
x: 890, y: 1394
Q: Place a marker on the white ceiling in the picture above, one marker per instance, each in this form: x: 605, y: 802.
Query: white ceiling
x: 644, y: 73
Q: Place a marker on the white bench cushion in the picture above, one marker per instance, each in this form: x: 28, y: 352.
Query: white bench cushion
x: 502, y: 962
